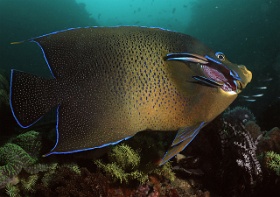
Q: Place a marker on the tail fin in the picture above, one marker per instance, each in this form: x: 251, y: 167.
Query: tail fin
x: 30, y: 97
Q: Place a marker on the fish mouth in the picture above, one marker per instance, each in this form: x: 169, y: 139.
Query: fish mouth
x: 222, y: 78
x: 216, y: 74
x: 228, y: 79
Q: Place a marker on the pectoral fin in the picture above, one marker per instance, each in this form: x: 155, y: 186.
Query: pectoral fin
x: 183, y: 138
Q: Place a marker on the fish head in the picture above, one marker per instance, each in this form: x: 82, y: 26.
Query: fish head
x: 215, y: 70
x: 232, y: 78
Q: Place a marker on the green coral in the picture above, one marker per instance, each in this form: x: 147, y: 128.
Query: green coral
x: 30, y: 142
x: 124, y: 166
x: 29, y: 183
x: 74, y: 167
x: 273, y: 161
x: 11, y: 190
x: 125, y: 157
x: 14, y: 158
x: 119, y: 174
x: 49, y: 174
x: 166, y: 171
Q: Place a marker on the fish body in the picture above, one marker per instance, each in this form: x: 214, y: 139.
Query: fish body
x: 111, y: 82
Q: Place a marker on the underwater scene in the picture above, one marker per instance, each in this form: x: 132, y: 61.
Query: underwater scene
x: 139, y: 98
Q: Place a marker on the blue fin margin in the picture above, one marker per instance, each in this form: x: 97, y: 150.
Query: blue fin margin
x: 183, y: 138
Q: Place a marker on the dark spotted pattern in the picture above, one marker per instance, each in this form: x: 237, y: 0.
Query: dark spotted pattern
x: 113, y: 82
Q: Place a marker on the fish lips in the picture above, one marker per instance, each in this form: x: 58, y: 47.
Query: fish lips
x: 216, y: 73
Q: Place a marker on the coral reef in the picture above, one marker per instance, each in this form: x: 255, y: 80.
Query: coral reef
x: 273, y: 161
x: 238, y: 115
x: 124, y: 166
x: 242, y: 133
x: 232, y: 161
x: 12, y: 191
x: 231, y: 157
x: 28, y: 184
x: 20, y: 154
x: 155, y: 187
x: 270, y: 141
x: 67, y: 182
x: 247, y: 151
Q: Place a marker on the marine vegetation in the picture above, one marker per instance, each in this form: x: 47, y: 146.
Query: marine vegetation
x: 273, y: 161
x: 124, y: 166
x: 28, y: 184
x: 11, y: 190
x: 66, y: 182
x: 20, y: 153
x: 232, y: 161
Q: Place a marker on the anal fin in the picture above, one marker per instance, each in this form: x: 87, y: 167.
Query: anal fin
x: 183, y: 138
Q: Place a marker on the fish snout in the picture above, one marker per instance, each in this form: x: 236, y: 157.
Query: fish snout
x: 245, y: 74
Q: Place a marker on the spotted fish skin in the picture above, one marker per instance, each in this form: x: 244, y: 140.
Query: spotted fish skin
x: 110, y: 83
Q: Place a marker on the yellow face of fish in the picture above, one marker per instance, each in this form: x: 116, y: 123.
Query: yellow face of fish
x: 212, y: 82
x: 240, y: 73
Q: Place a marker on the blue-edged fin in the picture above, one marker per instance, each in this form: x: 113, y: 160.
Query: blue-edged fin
x: 30, y: 97
x: 182, y: 139
x: 186, y: 133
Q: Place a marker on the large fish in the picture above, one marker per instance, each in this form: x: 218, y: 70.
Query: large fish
x: 111, y: 82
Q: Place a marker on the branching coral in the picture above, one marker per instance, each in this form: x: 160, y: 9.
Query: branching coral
x: 124, y: 166
x: 273, y: 161
x: 240, y: 136
x: 74, y: 167
x: 49, y: 174
x: 125, y: 157
x: 29, y: 183
x: 247, y: 152
x: 12, y: 191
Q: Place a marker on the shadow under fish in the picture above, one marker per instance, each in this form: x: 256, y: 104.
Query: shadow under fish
x: 111, y: 82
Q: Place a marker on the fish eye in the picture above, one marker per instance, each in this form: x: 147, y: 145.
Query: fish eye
x: 220, y: 56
